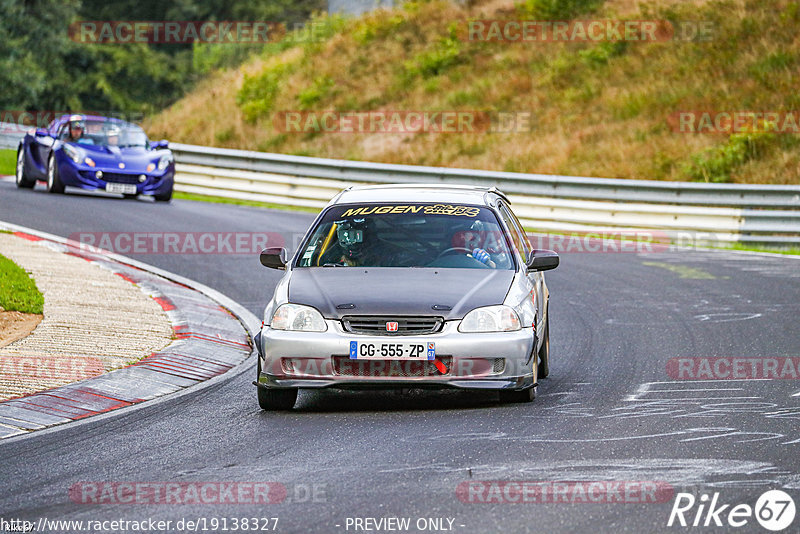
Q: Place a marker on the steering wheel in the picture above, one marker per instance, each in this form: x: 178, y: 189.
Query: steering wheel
x: 451, y: 250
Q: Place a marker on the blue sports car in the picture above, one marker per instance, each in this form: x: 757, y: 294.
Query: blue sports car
x: 92, y: 152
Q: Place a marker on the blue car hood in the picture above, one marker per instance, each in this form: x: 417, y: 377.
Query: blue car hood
x: 135, y: 159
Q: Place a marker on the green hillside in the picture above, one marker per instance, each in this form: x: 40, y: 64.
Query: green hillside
x: 606, y: 108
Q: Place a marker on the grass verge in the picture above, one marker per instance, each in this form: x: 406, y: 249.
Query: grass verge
x: 240, y: 202
x: 18, y: 291
x: 8, y: 161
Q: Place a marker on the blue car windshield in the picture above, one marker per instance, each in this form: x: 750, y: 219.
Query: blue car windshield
x: 108, y: 133
x: 408, y: 235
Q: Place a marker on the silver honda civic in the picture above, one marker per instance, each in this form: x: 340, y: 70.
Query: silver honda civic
x: 411, y: 286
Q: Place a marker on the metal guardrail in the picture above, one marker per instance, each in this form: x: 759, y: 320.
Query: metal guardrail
x: 695, y: 212
x: 10, y: 135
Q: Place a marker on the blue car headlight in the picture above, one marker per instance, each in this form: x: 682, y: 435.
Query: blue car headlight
x: 74, y: 153
x: 164, y: 161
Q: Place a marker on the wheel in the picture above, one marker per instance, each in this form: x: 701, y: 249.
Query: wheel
x: 544, y: 352
x: 508, y: 396
x: 54, y: 184
x: 277, y: 399
x: 166, y: 197
x: 23, y: 181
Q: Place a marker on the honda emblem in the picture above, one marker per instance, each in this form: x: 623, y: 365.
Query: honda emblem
x: 392, y: 326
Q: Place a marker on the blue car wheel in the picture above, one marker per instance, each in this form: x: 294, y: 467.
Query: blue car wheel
x: 54, y: 184
x: 23, y: 181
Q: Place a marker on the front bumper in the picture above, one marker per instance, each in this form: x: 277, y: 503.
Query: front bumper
x: 497, y: 360
x: 156, y: 183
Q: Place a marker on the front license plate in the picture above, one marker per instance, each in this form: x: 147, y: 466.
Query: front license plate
x: 125, y: 189
x: 405, y: 351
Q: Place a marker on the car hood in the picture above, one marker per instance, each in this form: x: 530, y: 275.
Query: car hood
x: 397, y: 291
x: 135, y: 159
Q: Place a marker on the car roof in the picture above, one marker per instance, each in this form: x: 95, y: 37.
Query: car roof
x: 465, y: 194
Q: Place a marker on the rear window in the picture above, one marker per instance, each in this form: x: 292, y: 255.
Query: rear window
x: 407, y: 235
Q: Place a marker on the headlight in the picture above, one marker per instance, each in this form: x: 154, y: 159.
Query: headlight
x: 164, y: 161
x: 299, y: 318
x: 89, y: 161
x: 73, y: 153
x: 490, y: 319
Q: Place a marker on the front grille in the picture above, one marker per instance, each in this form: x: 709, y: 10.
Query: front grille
x: 344, y: 366
x: 113, y: 177
x: 119, y: 178
x: 499, y: 365
x: 406, y: 326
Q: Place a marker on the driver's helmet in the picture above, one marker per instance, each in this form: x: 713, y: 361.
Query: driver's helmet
x: 470, y: 237
x: 113, y: 131
x: 75, y: 122
x: 352, y: 234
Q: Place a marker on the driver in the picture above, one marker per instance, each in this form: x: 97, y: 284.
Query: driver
x: 473, y: 238
x: 354, y: 236
x: 76, y: 129
x: 113, y: 136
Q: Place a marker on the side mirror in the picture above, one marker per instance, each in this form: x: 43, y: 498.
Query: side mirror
x: 156, y: 145
x: 274, y: 258
x: 543, y: 260
x: 41, y: 132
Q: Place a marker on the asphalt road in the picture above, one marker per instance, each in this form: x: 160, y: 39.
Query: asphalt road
x: 610, y: 410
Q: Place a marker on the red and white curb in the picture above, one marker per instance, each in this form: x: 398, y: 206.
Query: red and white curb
x: 213, y: 340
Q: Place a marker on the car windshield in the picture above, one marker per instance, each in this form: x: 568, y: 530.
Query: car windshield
x: 407, y: 235
x: 110, y: 133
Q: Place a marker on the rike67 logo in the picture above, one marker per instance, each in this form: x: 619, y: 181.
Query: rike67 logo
x: 774, y: 510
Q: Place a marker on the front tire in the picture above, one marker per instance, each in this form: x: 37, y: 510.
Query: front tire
x: 544, y: 352
x: 165, y: 197
x: 54, y: 184
x: 23, y: 182
x: 277, y: 399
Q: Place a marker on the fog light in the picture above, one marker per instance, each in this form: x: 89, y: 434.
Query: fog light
x: 98, y: 174
x: 142, y: 178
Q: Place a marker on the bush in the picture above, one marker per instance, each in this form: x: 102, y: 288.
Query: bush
x: 258, y: 93
x: 311, y: 95
x: 716, y: 164
x: 557, y: 9
x: 445, y: 53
